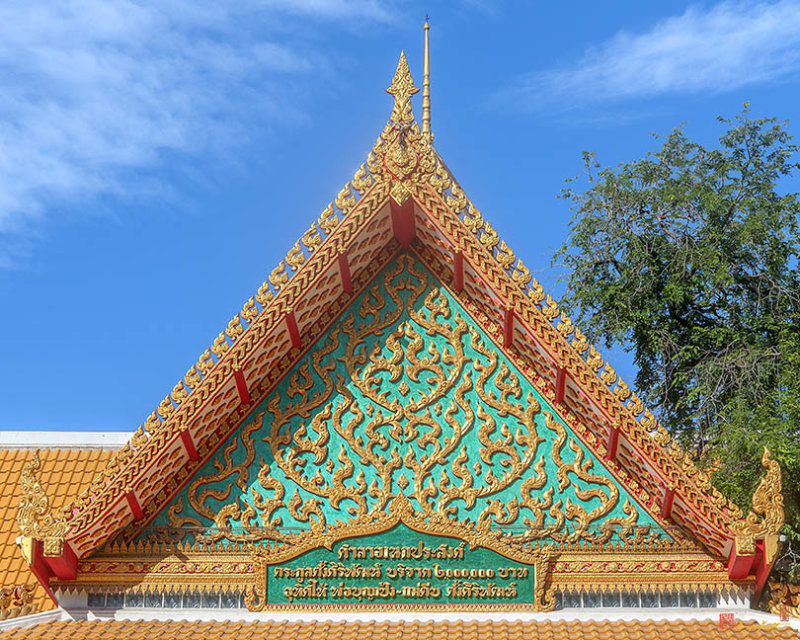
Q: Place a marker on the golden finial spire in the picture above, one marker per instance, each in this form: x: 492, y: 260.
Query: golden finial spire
x: 402, y: 89
x: 426, y: 88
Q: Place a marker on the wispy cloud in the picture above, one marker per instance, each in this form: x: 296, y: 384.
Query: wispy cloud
x: 94, y: 91
x: 726, y: 46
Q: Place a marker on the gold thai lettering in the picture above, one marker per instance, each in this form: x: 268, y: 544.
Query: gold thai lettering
x: 418, y: 552
x: 324, y: 569
x: 313, y: 590
x: 383, y: 591
x: 404, y: 571
x: 476, y: 590
x: 421, y: 590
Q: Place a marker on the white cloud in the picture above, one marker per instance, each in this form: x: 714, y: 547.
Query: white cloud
x: 94, y: 91
x: 723, y: 47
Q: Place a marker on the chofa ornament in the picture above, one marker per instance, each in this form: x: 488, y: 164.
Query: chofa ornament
x: 34, y: 516
x: 767, y: 503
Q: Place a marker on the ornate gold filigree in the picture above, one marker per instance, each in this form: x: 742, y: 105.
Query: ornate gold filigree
x: 415, y: 441
x: 784, y: 599
x: 34, y: 516
x: 767, y: 503
x: 16, y: 601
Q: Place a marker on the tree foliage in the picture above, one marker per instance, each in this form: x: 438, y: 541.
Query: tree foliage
x: 689, y: 258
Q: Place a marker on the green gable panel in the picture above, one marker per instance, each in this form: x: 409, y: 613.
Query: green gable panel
x: 405, y: 394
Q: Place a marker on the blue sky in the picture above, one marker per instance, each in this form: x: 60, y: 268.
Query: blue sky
x: 158, y: 159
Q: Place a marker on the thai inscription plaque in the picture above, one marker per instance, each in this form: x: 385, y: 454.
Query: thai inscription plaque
x: 400, y: 566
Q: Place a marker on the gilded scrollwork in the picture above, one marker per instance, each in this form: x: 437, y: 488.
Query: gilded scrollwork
x: 405, y: 398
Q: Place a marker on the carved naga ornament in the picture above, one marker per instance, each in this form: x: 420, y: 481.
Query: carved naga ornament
x: 768, y: 503
x: 34, y: 516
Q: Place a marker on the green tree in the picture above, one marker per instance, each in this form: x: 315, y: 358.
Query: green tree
x: 688, y: 258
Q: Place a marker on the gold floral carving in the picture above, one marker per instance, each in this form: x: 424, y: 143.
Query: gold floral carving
x: 767, y: 503
x: 486, y: 253
x: 784, y: 599
x: 439, y: 421
x: 35, y: 518
x: 16, y: 601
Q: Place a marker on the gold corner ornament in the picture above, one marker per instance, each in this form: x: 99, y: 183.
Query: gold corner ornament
x: 34, y: 515
x: 767, y: 503
x: 784, y: 599
x: 402, y: 88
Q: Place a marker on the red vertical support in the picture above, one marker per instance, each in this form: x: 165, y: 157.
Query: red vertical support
x: 403, y: 223
x: 344, y: 272
x: 508, y: 329
x: 294, y: 332
x: 666, y: 506
x: 458, y: 271
x: 561, y: 384
x: 241, y: 386
x: 613, y: 443
x: 133, y: 503
x: 188, y: 445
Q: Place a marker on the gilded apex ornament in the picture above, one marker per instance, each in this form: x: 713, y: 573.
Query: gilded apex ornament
x: 402, y: 88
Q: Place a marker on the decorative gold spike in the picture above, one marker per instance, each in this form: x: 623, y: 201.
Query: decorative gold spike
x: 426, y: 89
x: 402, y: 89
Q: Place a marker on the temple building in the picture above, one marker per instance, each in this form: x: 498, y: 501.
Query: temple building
x: 399, y: 435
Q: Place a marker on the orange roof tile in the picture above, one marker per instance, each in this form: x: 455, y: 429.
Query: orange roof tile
x: 64, y: 474
x: 395, y: 630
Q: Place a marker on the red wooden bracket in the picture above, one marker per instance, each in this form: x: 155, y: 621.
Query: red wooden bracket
x: 403, y: 223
x: 611, y: 452
x: 40, y: 568
x: 561, y: 384
x: 766, y: 548
x: 241, y: 386
x: 666, y: 505
x: 133, y: 503
x: 344, y: 272
x: 294, y: 332
x: 65, y: 566
x: 739, y: 566
x: 508, y: 329
x: 458, y: 271
x: 188, y: 445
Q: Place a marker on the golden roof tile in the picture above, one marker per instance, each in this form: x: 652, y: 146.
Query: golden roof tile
x: 407, y: 630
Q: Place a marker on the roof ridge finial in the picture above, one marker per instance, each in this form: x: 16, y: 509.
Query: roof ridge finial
x: 426, y: 88
x: 402, y: 89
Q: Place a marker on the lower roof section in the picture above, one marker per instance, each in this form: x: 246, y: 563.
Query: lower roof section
x: 404, y: 630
